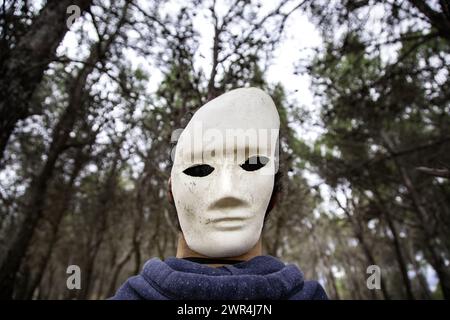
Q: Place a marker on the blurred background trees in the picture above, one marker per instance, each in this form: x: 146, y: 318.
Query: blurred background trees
x: 86, y: 130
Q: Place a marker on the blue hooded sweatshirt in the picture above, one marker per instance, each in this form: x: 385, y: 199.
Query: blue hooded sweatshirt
x: 260, y: 278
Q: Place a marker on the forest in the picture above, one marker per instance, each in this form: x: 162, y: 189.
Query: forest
x: 92, y: 90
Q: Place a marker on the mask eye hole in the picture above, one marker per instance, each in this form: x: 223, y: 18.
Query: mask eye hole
x: 254, y: 163
x: 199, y: 170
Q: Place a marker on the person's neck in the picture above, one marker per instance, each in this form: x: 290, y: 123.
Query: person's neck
x: 183, y: 251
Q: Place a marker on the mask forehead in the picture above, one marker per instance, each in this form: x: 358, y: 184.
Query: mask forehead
x: 242, y: 122
x: 245, y: 108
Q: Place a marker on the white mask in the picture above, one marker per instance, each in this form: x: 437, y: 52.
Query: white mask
x: 221, y: 199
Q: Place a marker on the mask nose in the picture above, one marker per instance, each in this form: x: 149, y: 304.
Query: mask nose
x: 227, y: 195
x: 227, y: 202
x: 226, y: 181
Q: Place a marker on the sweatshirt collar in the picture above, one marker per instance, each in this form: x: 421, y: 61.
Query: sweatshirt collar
x: 262, y: 277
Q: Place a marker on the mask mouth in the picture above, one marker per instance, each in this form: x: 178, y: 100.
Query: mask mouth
x: 230, y: 214
x: 229, y: 223
x: 229, y: 219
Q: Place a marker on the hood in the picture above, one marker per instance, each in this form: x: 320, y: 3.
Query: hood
x: 260, y: 278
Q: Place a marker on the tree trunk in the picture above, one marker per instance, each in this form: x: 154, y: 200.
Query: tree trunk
x: 39, y: 185
x: 358, y: 231
x: 22, y: 69
x: 104, y: 201
x: 439, y: 20
x: 436, y: 259
x: 80, y: 160
x: 396, y: 243
x: 33, y: 211
x: 118, y: 267
x: 422, y: 214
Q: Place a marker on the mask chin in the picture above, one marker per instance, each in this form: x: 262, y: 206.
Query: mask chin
x: 224, y: 245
